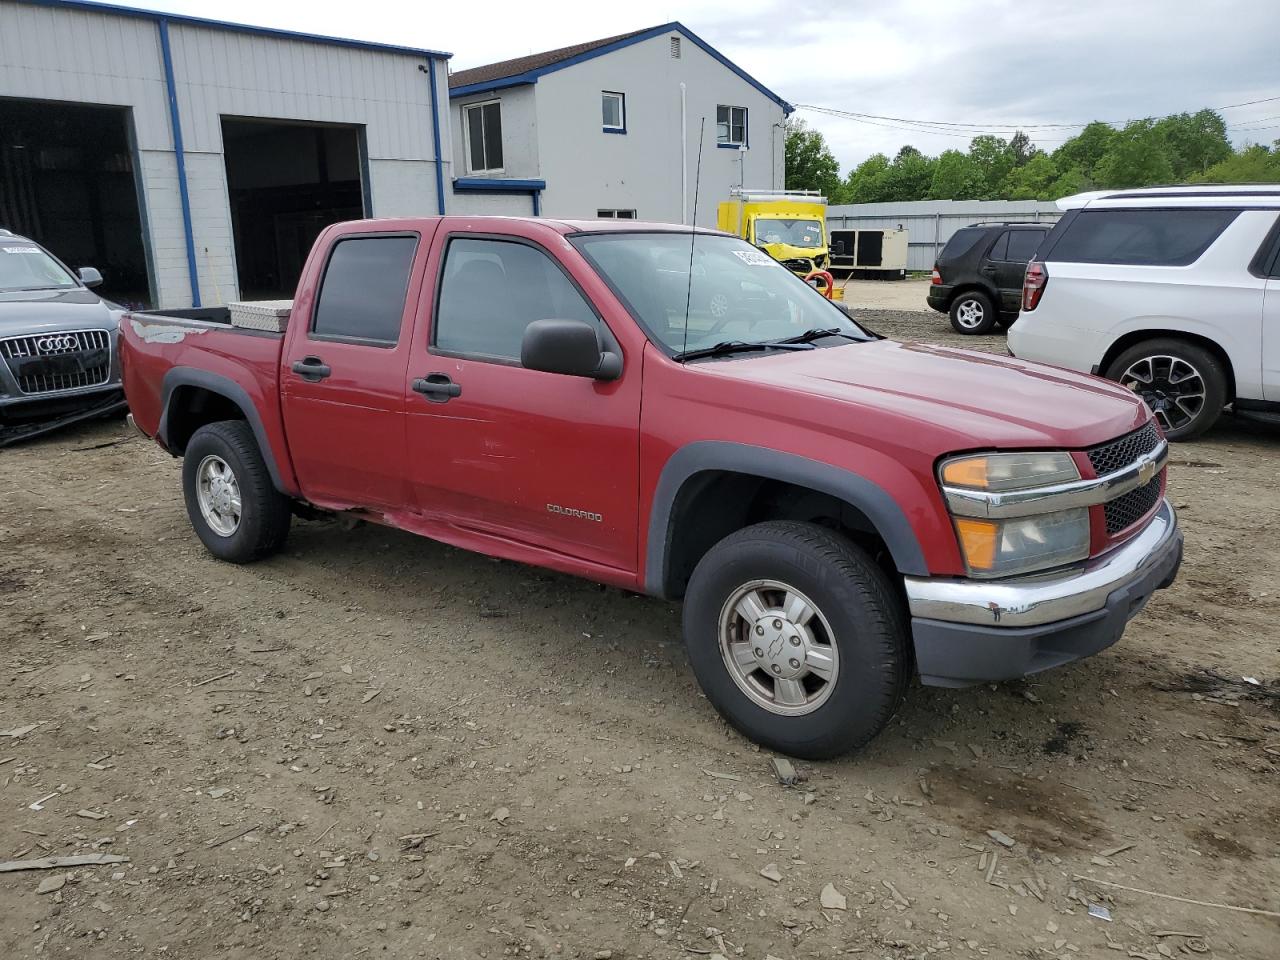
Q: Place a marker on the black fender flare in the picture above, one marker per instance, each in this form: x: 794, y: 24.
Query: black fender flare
x: 872, y: 499
x: 177, y: 377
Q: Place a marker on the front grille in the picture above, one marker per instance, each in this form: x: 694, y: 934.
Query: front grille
x: 1117, y: 454
x: 65, y: 360
x: 1126, y: 510
x: 797, y: 265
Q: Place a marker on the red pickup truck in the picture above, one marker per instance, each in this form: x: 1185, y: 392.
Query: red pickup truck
x: 670, y: 411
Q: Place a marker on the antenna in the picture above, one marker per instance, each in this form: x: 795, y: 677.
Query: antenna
x: 693, y: 235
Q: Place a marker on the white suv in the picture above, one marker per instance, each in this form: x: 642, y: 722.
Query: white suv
x: 1172, y: 291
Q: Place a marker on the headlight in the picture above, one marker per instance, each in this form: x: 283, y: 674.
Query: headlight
x: 1014, y: 544
x: 1009, y: 471
x: 1003, y: 548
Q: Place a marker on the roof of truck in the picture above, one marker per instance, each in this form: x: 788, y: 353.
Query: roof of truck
x: 1187, y: 195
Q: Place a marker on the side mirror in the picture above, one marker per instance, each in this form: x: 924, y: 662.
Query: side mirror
x: 90, y: 276
x: 569, y: 347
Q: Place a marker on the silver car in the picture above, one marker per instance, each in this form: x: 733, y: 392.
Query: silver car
x: 58, y: 358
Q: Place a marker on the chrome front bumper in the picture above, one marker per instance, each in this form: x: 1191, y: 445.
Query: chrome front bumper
x: 1043, y: 599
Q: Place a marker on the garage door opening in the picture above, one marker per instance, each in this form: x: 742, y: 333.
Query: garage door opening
x: 67, y: 182
x: 287, y: 182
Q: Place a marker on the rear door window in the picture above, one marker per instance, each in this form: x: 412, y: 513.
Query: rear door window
x: 1022, y: 245
x: 1167, y: 238
x: 961, y: 242
x: 362, y: 294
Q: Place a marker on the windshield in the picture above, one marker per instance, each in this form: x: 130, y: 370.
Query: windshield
x: 737, y: 292
x: 798, y: 233
x: 24, y: 266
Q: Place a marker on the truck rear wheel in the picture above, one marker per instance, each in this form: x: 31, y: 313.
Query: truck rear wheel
x: 797, y: 638
x: 235, y: 509
x: 972, y: 312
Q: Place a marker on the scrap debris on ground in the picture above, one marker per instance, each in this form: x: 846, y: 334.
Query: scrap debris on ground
x: 375, y: 745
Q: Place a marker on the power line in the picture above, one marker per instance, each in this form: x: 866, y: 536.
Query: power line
x: 965, y: 129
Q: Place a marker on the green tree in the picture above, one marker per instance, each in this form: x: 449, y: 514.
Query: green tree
x: 1193, y: 142
x: 1083, y: 151
x: 956, y: 177
x: 1254, y: 164
x: 1034, y: 180
x: 1136, y: 157
x: 995, y: 158
x: 867, y: 181
x: 909, y: 176
x: 1022, y: 148
x: 810, y: 165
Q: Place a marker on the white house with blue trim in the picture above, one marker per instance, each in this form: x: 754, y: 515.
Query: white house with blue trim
x: 613, y: 128
x: 193, y: 160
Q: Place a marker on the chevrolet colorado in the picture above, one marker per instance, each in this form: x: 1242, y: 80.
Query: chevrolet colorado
x: 836, y: 510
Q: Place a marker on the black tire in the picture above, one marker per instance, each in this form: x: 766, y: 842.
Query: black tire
x: 973, y: 313
x: 1007, y: 320
x: 264, y: 512
x: 868, y: 629
x: 1170, y: 395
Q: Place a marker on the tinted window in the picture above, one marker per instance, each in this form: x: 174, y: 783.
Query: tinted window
x: 362, y: 295
x: 1171, y: 238
x: 493, y: 289
x: 1000, y: 247
x: 1022, y: 244
x: 961, y: 242
x: 484, y: 136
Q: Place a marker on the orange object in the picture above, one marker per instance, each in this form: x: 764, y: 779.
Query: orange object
x: 978, y: 539
x: 970, y: 472
x: 829, y: 290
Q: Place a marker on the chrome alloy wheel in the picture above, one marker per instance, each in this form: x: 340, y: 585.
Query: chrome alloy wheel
x: 970, y: 314
x: 778, y: 647
x: 218, y: 494
x: 718, y: 306
x: 1174, y: 389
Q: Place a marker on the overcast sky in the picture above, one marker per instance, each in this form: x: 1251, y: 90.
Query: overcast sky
x: 992, y: 63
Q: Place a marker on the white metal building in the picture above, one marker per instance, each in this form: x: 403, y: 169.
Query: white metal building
x: 611, y: 128
x: 193, y: 161
x: 930, y: 223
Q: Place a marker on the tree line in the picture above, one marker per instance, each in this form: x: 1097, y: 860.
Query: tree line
x: 1183, y: 148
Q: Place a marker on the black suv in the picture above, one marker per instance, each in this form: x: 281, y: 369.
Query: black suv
x: 978, y: 276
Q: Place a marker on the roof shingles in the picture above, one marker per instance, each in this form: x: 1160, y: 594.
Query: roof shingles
x: 534, y: 61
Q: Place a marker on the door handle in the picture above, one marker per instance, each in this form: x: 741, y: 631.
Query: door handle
x: 989, y: 270
x: 311, y: 369
x: 437, y: 387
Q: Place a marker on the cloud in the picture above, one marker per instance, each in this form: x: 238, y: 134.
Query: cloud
x: 989, y: 62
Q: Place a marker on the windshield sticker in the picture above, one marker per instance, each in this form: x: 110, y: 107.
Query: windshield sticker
x: 754, y: 258
x: 20, y: 249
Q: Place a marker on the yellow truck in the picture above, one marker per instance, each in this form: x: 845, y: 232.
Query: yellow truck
x: 789, y: 225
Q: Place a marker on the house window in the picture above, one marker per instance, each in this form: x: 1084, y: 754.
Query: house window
x: 482, y: 125
x: 616, y: 214
x: 731, y: 126
x: 614, y: 108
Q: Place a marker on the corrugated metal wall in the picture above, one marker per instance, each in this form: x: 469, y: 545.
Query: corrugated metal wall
x: 85, y: 56
x: 930, y: 223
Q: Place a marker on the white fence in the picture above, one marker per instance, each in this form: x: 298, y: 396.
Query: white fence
x: 930, y: 223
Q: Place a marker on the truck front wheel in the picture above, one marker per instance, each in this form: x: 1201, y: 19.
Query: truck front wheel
x: 797, y: 638
x: 236, y: 511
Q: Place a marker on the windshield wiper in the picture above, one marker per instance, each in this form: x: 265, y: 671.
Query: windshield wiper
x: 810, y: 335
x: 726, y: 347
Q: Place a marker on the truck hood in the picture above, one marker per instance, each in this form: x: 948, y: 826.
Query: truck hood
x: 28, y: 312
x: 785, y: 251
x: 953, y: 399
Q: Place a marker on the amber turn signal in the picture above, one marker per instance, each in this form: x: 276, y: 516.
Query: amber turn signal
x: 978, y: 539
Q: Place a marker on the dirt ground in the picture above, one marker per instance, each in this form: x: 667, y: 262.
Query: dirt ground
x: 373, y: 745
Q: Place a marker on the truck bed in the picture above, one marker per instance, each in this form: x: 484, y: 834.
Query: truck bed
x: 199, y: 350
